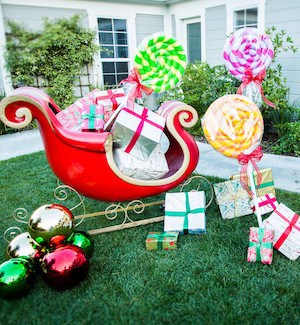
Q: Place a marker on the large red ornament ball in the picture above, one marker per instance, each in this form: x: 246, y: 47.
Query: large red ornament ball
x: 65, y: 267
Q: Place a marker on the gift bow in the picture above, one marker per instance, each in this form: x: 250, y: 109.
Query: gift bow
x: 185, y: 213
x: 243, y: 160
x: 248, y: 77
x: 161, y: 236
x: 92, y: 116
x: 260, y: 244
x: 111, y: 95
x: 139, y: 88
x: 234, y: 195
x: 268, y: 201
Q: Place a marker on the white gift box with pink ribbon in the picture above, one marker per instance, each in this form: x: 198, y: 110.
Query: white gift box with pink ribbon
x: 137, y: 131
x: 286, y: 225
x: 266, y: 203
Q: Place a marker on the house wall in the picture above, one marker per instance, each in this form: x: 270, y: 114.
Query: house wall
x: 216, y: 17
x: 286, y: 15
x: 215, y: 34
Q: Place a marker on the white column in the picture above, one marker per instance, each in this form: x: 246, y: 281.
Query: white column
x: 3, y: 72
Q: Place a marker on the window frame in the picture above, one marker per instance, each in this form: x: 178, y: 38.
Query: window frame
x: 188, y: 21
x: 236, y: 26
x: 115, y: 60
x: 235, y: 5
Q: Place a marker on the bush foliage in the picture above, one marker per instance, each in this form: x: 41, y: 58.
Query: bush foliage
x: 55, y: 55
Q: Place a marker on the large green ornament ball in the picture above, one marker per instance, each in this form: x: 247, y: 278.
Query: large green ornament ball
x: 84, y: 241
x: 16, y: 277
x: 50, y: 220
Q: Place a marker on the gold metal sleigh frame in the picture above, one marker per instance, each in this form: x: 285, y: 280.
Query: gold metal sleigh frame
x: 121, y: 210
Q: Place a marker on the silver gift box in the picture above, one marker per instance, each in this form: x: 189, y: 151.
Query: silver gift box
x: 126, y: 125
x: 155, y: 167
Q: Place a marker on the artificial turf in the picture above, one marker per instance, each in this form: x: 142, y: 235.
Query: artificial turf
x: 207, y: 280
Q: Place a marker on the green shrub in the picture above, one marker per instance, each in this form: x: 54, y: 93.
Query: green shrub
x: 55, y: 55
x: 289, y: 142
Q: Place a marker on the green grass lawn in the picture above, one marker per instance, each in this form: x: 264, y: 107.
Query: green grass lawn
x: 207, y: 280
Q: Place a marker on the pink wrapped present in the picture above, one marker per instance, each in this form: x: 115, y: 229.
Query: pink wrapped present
x: 266, y: 204
x: 286, y: 225
x: 70, y: 117
x: 110, y: 99
x: 92, y: 118
x: 260, y: 245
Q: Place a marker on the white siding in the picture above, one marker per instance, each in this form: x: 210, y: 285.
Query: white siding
x: 32, y: 17
x: 147, y: 25
x: 286, y: 15
x: 215, y: 34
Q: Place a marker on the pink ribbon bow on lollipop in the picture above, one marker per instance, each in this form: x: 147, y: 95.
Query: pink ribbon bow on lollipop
x: 134, y: 78
x: 248, y: 77
x: 243, y: 160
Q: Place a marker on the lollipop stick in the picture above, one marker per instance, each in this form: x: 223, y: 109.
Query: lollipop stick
x: 252, y: 186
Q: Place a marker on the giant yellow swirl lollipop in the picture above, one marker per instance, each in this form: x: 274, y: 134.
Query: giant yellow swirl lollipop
x: 232, y: 125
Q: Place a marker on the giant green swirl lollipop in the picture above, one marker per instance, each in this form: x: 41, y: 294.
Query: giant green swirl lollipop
x: 160, y: 61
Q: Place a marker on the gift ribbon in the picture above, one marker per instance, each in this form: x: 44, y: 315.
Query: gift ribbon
x: 185, y: 213
x: 291, y: 225
x: 248, y: 77
x: 244, y: 160
x: 234, y: 196
x: 260, y: 244
x: 91, y: 116
x: 269, y: 200
x: 138, y: 89
x: 160, y: 238
x: 139, y: 129
x: 111, y: 95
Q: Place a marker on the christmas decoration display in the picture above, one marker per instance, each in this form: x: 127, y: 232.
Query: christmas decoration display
x: 247, y: 55
x: 161, y: 62
x: 185, y: 212
x: 51, y: 246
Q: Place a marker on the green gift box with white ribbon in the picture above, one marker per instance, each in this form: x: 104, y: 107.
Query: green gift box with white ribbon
x: 185, y: 212
x: 161, y: 240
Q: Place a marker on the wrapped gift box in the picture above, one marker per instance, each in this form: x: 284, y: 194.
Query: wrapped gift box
x: 92, y: 118
x: 70, y: 117
x: 266, y: 204
x: 233, y: 199
x: 137, y: 131
x: 154, y: 167
x: 185, y: 212
x: 110, y: 99
x: 286, y: 225
x: 267, y: 183
x: 260, y: 245
x: 161, y: 240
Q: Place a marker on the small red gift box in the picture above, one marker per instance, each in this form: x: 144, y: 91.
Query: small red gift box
x: 260, y: 245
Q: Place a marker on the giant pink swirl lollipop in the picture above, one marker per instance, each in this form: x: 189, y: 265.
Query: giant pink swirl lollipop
x: 247, y: 50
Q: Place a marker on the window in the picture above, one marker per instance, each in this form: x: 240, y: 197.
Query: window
x: 114, y: 50
x: 194, y: 42
x: 245, y: 18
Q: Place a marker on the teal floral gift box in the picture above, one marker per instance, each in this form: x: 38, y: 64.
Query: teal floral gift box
x: 232, y: 199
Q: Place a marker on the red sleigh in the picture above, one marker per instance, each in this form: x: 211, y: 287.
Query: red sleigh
x: 84, y: 160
